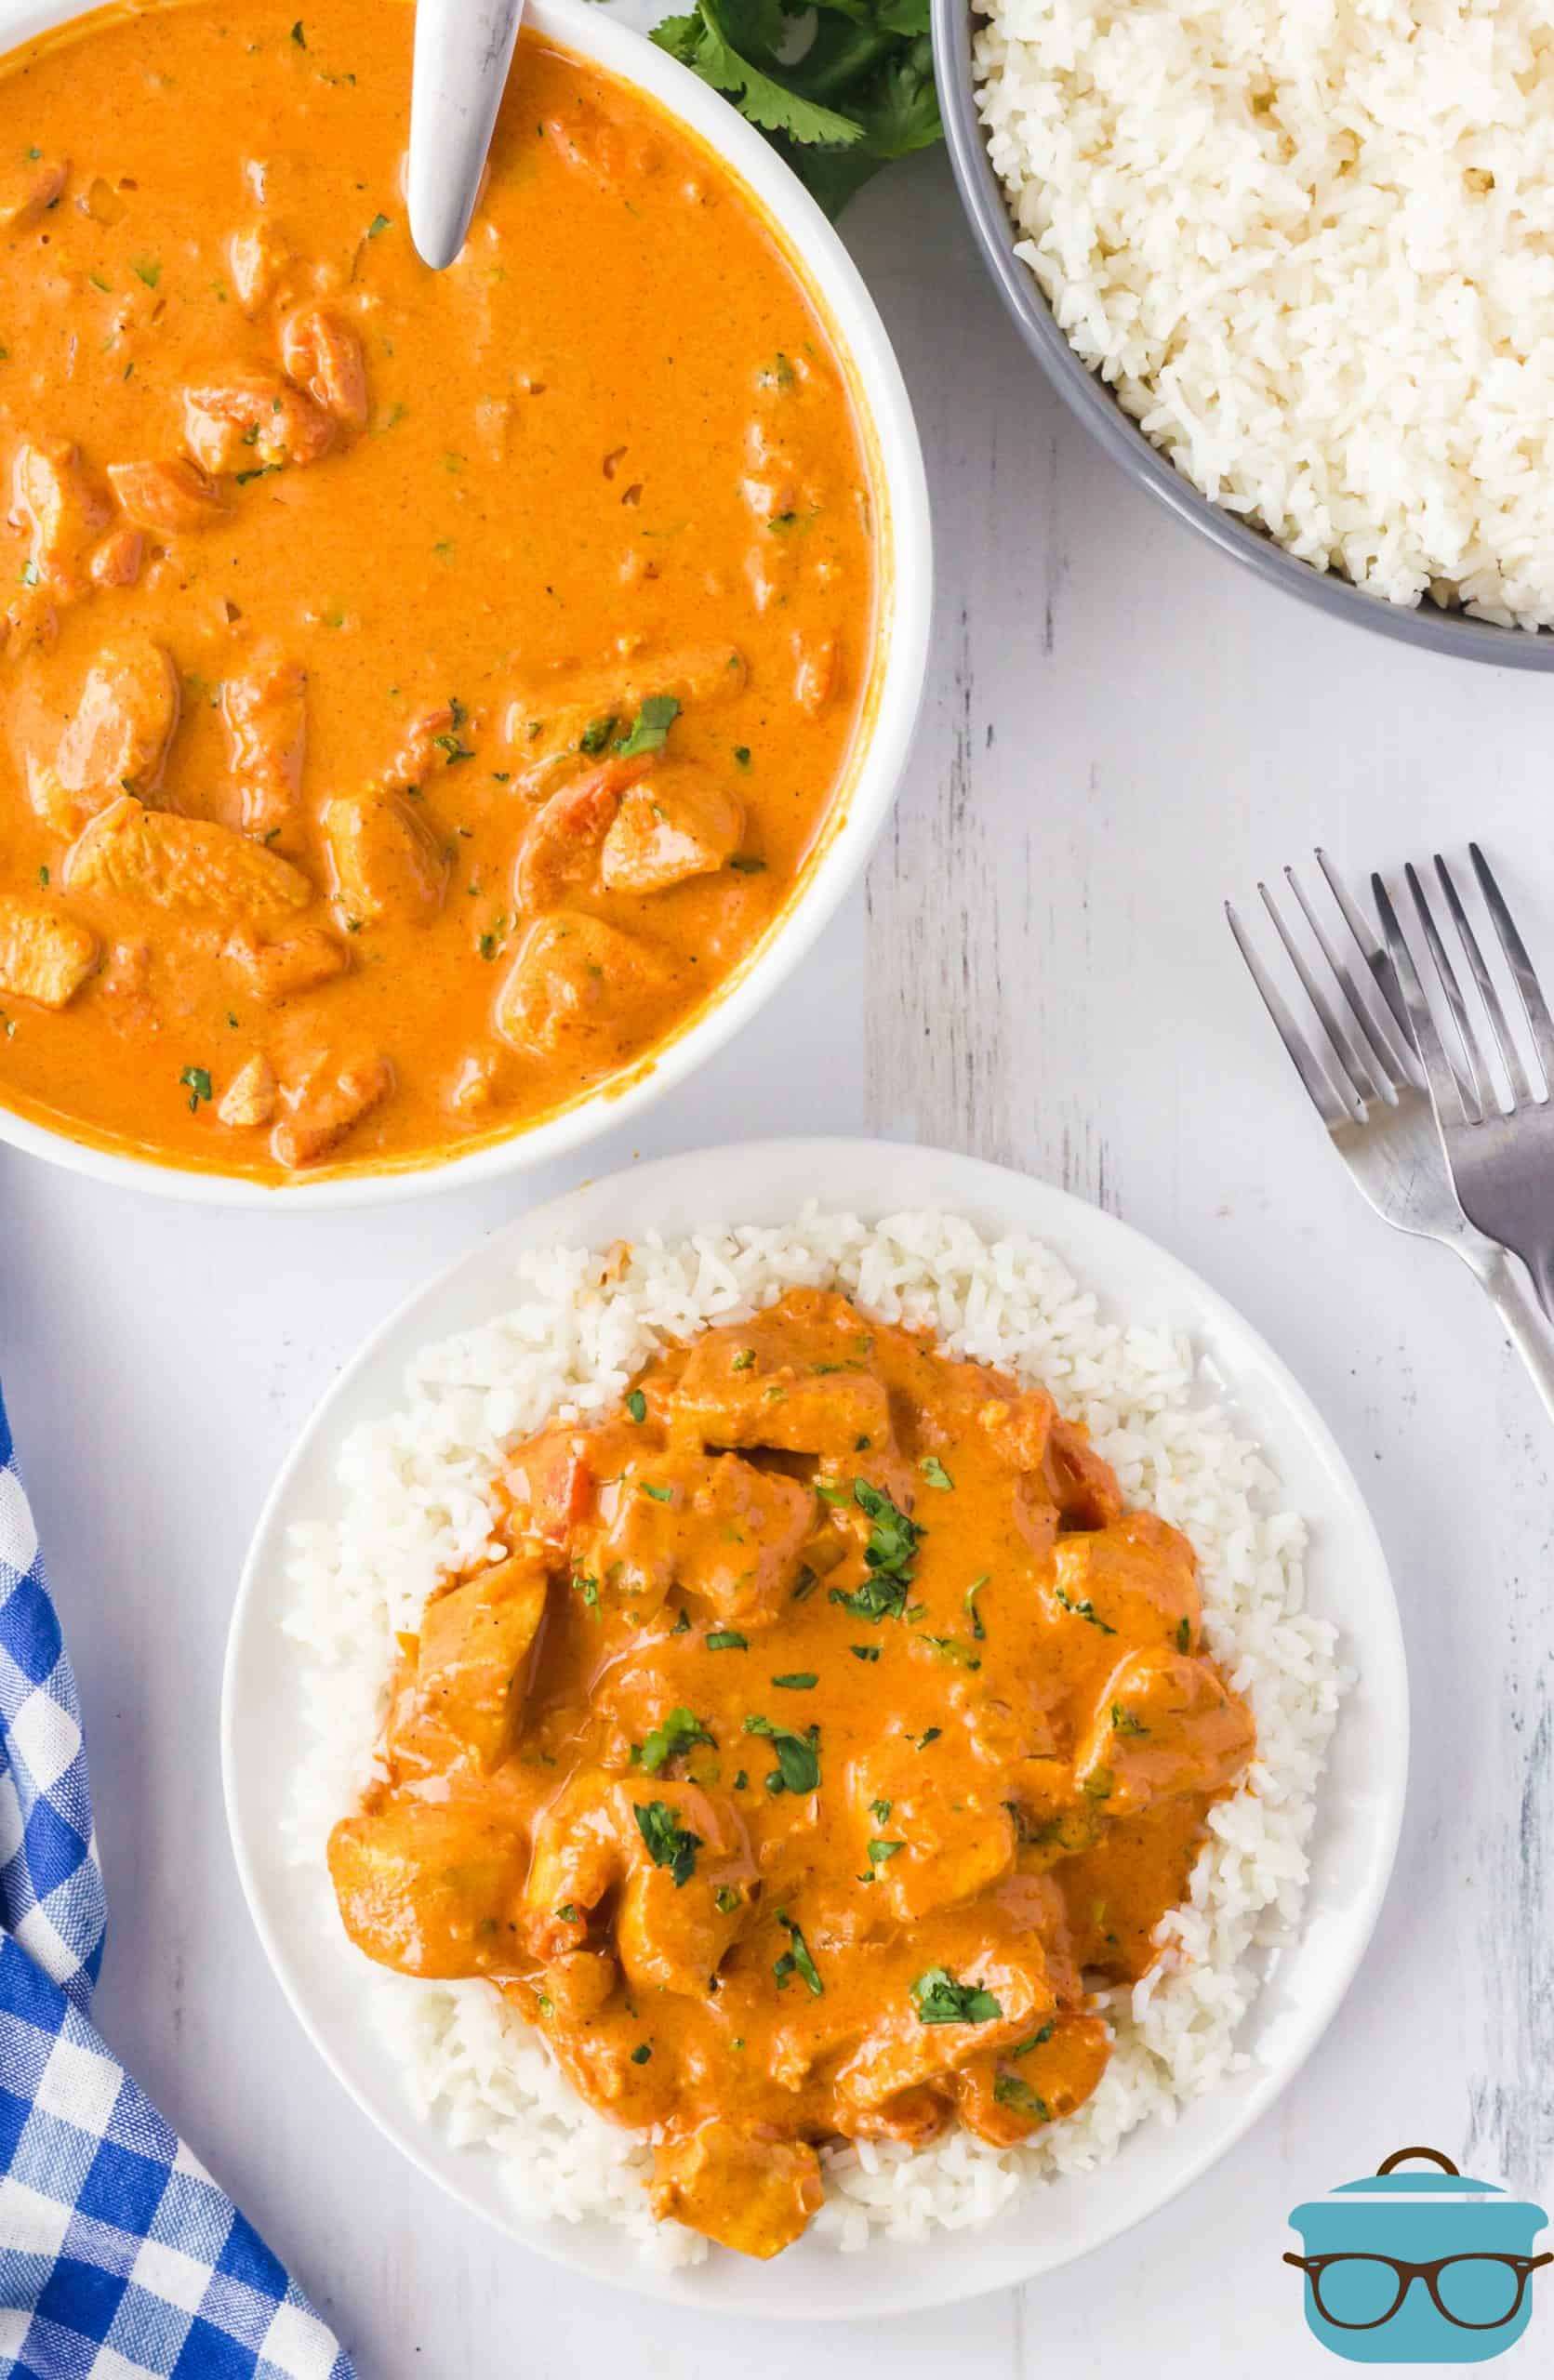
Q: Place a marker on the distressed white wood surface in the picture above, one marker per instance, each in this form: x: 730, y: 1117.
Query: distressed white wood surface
x: 1119, y: 729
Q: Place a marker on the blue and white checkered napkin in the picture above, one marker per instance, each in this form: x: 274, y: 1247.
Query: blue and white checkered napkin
x: 118, y: 2254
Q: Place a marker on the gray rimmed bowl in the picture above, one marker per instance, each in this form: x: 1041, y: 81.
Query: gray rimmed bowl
x: 1438, y: 631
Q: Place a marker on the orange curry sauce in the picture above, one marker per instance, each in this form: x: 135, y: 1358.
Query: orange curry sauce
x: 419, y: 690
x: 828, y: 1731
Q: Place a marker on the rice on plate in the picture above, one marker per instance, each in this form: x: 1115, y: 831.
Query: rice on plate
x: 1308, y: 247
x: 416, y: 1506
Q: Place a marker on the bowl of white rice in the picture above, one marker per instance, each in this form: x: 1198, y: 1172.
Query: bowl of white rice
x: 1292, y: 263
x: 389, y: 1490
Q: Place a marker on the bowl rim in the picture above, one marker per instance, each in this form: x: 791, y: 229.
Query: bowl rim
x: 888, y: 429
x: 1428, y: 627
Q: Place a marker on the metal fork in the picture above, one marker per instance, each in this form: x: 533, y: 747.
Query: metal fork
x: 1502, y: 1159
x: 1375, y: 1102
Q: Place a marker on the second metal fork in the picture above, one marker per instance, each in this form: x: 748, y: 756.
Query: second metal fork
x: 1502, y: 1158
x: 1371, y: 1097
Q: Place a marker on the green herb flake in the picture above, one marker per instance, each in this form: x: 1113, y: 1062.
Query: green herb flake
x: 1184, y: 1635
x: 1012, y: 2091
x: 589, y: 1589
x: 744, y: 865
x: 668, y: 1843
x: 800, y: 1679
x: 671, y: 1738
x: 641, y: 2055
x: 1032, y: 2040
x: 147, y: 269
x: 798, y: 1768
x: 636, y: 1405
x: 597, y: 734
x: 195, y: 1080
x: 796, y: 1960
x: 864, y: 1652
x: 1124, y: 1723
x: 379, y: 223
x: 727, y: 1898
x: 659, y: 1495
x: 650, y: 727
x: 567, y: 1913
x: 298, y: 35
x: 968, y: 1604
x: 929, y: 1736
x: 727, y: 1640
x: 42, y: 876
x: 880, y: 1851
x: 934, y: 1473
x: 741, y: 755
x: 1086, y: 1609
x: 743, y: 1360
x: 939, y: 2000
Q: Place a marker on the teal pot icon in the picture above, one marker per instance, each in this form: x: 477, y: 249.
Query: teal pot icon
x: 1419, y: 2268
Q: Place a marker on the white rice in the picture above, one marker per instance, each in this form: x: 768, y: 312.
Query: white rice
x: 1309, y: 244
x: 413, y: 1509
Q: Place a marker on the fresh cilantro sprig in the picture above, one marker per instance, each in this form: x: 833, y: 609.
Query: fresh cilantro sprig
x: 840, y: 89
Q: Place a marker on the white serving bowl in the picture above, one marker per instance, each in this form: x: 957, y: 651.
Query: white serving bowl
x: 889, y: 435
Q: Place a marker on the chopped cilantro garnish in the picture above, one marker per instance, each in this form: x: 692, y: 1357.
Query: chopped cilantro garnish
x: 1184, y: 1635
x: 1086, y: 1610
x: 588, y: 1589
x: 743, y: 1360
x: 659, y: 1495
x: 968, y: 1604
x: 650, y: 727
x: 641, y: 2055
x: 148, y: 270
x: 597, y: 734
x: 1011, y: 2091
x: 671, y: 1738
x: 939, y: 2000
x: 796, y: 1960
x: 727, y: 1898
x: 798, y: 1768
x: 668, y: 1843
x: 934, y: 1473
x: 727, y: 1640
x: 378, y: 223
x: 864, y: 1652
x: 800, y: 1679
x: 196, y: 1083
x: 1124, y: 1723
x: 567, y: 1913
x: 880, y: 1851
x: 636, y: 1405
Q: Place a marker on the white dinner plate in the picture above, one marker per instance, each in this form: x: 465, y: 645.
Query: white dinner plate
x: 1360, y: 1798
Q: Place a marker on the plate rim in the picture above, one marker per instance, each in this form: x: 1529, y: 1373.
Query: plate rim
x: 988, y: 1186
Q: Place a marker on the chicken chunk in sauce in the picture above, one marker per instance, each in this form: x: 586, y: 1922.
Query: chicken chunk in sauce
x: 827, y: 1734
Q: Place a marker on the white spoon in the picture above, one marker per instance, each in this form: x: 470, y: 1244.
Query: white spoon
x: 463, y: 49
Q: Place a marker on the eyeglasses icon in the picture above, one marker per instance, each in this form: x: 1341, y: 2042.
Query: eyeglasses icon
x: 1358, y: 2292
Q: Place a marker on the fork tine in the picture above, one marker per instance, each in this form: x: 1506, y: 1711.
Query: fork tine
x: 1378, y: 967
x: 1511, y: 1056
x: 1440, y: 1079
x: 1353, y: 1073
x: 1469, y: 1083
x: 1536, y: 1007
x: 1384, y: 1071
x: 1307, y: 1066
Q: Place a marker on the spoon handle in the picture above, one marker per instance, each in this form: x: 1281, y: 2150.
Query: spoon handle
x: 463, y: 49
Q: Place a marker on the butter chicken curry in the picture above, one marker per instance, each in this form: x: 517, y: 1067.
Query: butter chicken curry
x: 827, y: 1731
x: 420, y: 690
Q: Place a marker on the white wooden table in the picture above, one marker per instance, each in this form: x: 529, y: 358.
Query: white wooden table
x: 1120, y: 728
